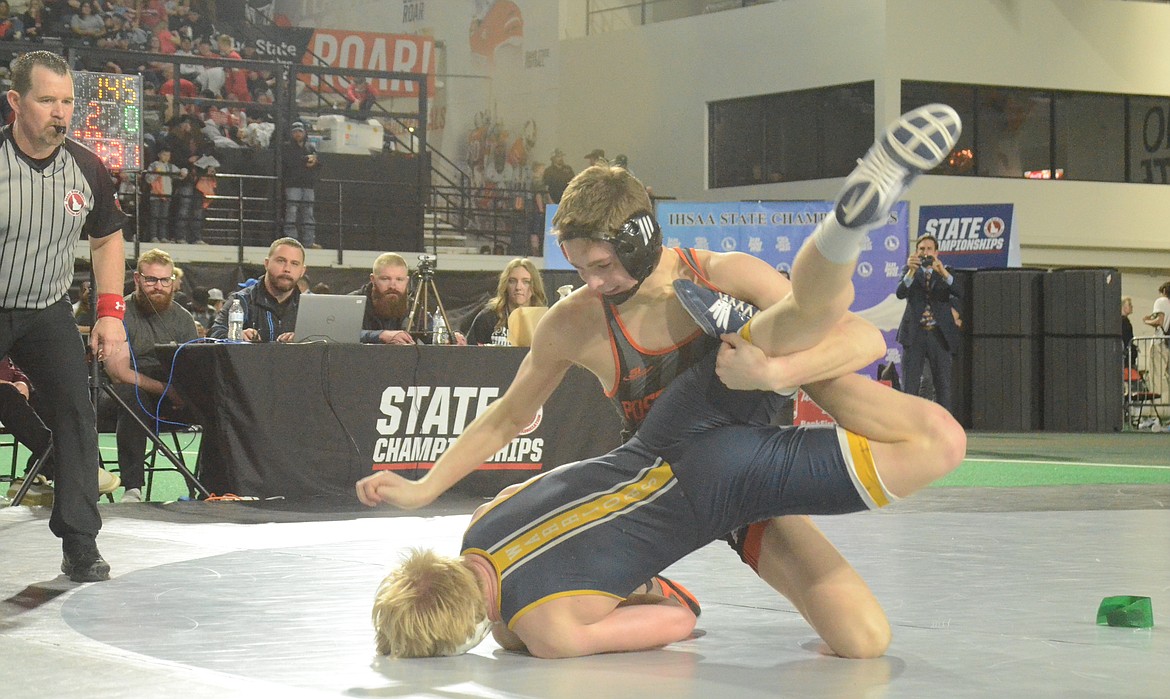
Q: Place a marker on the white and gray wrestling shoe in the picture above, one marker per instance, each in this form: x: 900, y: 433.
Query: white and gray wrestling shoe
x: 917, y: 142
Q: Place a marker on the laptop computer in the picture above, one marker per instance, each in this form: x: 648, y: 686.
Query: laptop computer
x: 329, y: 318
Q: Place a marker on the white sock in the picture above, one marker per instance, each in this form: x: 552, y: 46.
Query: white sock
x: 838, y: 244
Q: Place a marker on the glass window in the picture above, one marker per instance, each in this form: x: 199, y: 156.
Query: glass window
x: 791, y: 136
x: 736, y: 143
x: 1089, y: 135
x: 1149, y: 140
x: 1013, y: 133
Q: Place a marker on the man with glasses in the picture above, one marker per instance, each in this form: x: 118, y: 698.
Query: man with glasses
x: 152, y: 318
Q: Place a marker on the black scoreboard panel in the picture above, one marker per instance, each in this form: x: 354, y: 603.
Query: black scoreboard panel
x: 107, y: 117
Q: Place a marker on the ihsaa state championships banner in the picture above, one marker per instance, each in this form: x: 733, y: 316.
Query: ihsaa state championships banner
x: 774, y: 232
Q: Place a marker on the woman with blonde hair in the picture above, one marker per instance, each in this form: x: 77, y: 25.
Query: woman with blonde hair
x: 519, y: 286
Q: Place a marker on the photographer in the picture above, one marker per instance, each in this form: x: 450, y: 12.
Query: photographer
x: 928, y: 332
x: 388, y: 301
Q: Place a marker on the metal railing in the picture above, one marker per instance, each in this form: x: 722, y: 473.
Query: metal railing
x: 1148, y: 396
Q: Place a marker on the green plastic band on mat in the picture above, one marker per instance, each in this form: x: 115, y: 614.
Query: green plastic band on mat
x: 1128, y: 611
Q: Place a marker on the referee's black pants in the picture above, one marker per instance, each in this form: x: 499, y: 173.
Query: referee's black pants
x: 46, y: 345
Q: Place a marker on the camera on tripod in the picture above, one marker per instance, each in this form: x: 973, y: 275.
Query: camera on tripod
x: 422, y: 322
x: 426, y: 266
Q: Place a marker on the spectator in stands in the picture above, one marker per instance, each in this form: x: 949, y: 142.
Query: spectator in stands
x: 300, y: 177
x: 196, y: 24
x: 161, y: 177
x: 270, y: 304
x: 215, y: 299
x: 32, y: 21
x: 187, y: 71
x: 86, y: 25
x: 205, y: 187
x: 177, y: 21
x: 187, y: 89
x: 11, y: 28
x: 361, y: 97
x: 136, y: 38
x: 529, y: 239
x: 519, y: 286
x: 211, y: 78
x: 595, y: 157
x: 236, y: 87
x: 55, y: 16
x: 153, y: 317
x: 557, y: 175
x: 153, y: 15
x: 201, y: 309
x: 187, y: 146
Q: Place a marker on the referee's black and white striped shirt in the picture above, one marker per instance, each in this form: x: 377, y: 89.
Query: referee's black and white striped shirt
x: 49, y: 204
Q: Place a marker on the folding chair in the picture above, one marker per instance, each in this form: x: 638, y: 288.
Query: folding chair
x: 1138, y: 396
x: 150, y: 466
x: 31, y: 476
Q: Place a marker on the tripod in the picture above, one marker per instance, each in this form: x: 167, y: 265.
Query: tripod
x: 425, y: 288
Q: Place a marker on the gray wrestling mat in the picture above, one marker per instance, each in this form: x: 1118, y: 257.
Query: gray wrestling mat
x: 991, y: 592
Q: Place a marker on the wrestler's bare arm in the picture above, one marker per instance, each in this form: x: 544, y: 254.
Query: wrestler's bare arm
x: 589, y: 624
x: 538, y: 376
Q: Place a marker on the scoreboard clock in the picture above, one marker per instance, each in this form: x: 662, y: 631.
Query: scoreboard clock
x: 107, y: 117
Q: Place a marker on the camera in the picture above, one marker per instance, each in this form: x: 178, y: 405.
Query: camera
x: 926, y: 260
x: 426, y: 265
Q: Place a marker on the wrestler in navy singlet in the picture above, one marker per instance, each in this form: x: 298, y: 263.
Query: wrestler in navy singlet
x: 606, y: 525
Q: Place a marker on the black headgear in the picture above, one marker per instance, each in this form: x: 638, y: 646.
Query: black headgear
x: 638, y: 246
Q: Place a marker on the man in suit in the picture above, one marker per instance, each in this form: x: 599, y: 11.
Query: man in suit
x: 928, y: 332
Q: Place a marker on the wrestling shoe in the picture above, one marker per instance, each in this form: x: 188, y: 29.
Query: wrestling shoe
x: 86, y: 566
x: 715, y: 312
x: 917, y: 142
x: 672, y: 590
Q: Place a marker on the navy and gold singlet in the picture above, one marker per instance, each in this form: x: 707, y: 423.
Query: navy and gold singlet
x: 693, y: 473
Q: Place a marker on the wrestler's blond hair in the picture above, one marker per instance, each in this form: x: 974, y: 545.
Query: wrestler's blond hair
x: 598, y: 201
x: 427, y: 606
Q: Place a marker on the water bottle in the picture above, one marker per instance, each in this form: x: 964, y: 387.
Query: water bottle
x: 439, y: 330
x: 236, y: 320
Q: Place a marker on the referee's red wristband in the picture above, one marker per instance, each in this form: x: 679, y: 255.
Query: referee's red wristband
x: 111, y: 305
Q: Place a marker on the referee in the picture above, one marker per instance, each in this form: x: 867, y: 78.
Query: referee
x: 55, y: 190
